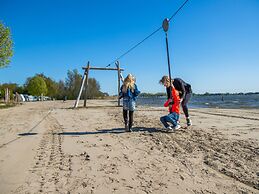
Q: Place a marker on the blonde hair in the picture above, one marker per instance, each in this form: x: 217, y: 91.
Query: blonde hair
x: 129, y: 83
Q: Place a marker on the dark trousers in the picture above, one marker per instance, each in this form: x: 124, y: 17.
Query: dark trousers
x: 128, y: 120
x: 185, y: 102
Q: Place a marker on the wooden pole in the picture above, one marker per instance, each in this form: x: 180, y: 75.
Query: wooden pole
x: 102, y: 68
x: 7, y: 95
x: 17, y: 97
x: 81, y: 89
x: 86, y: 83
x: 119, y: 85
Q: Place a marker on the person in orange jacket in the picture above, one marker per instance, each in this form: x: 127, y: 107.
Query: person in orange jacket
x: 185, y: 93
x: 174, y: 112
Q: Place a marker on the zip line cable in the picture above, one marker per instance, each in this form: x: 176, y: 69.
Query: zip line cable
x: 175, y: 13
x: 132, y: 48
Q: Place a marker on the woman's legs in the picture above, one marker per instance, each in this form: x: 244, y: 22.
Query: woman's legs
x: 185, y: 108
x: 184, y: 104
x: 128, y: 106
x: 125, y: 116
x: 130, y: 119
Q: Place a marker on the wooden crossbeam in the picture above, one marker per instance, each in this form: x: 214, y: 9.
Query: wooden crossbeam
x: 102, y: 68
x: 84, y: 82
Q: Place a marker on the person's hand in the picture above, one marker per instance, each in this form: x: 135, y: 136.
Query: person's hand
x: 170, y: 101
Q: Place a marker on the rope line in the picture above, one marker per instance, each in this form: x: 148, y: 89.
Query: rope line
x: 158, y: 29
x: 178, y: 10
x: 1, y: 146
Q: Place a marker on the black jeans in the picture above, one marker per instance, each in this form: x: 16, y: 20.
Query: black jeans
x: 127, y: 120
x: 185, y: 102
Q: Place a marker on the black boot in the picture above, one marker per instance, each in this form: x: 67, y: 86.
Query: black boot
x: 130, y: 120
x: 125, y: 117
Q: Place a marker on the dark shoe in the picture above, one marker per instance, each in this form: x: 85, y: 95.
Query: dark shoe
x: 130, y: 127
x: 127, y: 128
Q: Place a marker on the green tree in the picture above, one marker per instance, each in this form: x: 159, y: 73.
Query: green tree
x: 6, y: 45
x: 62, y: 91
x: 21, y: 90
x: 93, y: 89
x: 37, y: 86
x: 73, y: 83
x: 11, y: 86
x: 51, y: 85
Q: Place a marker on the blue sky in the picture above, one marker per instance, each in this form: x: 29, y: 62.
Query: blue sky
x: 214, y: 44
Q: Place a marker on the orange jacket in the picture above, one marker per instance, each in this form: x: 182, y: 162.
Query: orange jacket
x: 176, y: 100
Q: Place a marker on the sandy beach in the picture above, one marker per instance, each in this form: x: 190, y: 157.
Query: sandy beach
x: 47, y: 147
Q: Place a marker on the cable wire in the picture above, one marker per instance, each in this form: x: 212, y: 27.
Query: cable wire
x: 175, y: 13
x: 132, y: 48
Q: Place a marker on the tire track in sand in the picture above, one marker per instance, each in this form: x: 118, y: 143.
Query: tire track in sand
x: 52, y: 167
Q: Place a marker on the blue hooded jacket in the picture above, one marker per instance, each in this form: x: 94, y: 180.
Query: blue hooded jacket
x: 132, y: 95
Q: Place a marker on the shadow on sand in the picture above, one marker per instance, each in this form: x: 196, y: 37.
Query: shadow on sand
x: 91, y: 107
x: 112, y: 131
x: 27, y: 134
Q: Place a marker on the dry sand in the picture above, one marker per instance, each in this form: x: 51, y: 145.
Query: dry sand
x: 47, y: 147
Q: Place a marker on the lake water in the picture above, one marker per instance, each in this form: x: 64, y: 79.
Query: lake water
x: 213, y: 101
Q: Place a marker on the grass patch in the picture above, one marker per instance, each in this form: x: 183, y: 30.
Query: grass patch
x: 2, y: 106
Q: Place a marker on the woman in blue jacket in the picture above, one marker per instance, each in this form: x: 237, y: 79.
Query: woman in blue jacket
x: 129, y: 93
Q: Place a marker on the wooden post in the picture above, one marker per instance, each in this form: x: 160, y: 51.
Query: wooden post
x: 17, y: 97
x: 85, y: 78
x: 86, y: 83
x: 7, y: 95
x: 119, y: 85
x: 81, y: 88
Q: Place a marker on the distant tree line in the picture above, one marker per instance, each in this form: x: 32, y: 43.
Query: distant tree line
x: 158, y: 94
x: 220, y: 94
x: 42, y: 85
